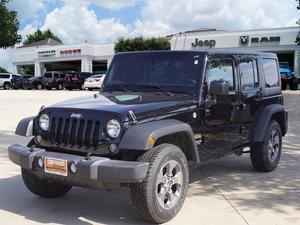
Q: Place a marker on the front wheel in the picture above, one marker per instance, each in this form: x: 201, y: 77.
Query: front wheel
x: 39, y: 87
x: 265, y: 156
x: 43, y: 188
x: 161, y: 195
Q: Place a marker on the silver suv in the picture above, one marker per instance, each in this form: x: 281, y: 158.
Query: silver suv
x: 5, y: 80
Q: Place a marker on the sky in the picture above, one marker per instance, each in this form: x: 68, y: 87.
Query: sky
x: 104, y: 21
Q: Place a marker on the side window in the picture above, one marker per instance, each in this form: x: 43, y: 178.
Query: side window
x: 248, y: 74
x: 56, y: 75
x: 4, y: 76
x: 62, y: 75
x: 271, y: 72
x: 221, y: 70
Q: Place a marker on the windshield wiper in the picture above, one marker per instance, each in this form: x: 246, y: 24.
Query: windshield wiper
x: 119, y: 85
x: 158, y: 87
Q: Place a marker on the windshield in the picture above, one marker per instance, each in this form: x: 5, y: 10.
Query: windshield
x: 284, y: 65
x: 176, y: 72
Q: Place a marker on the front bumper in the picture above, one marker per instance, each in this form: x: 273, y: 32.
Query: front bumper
x: 90, y: 172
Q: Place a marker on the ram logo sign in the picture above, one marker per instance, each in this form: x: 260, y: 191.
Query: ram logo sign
x: 244, y: 40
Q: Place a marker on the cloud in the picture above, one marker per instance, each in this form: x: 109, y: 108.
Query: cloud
x: 26, y: 9
x: 6, y: 58
x: 171, y: 16
x: 108, y: 4
x: 76, y: 24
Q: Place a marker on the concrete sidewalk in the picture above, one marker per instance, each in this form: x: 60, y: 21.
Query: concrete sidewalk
x: 226, y: 191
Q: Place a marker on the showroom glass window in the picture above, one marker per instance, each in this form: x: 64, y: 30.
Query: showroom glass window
x: 221, y: 70
x: 248, y: 74
x: 271, y: 72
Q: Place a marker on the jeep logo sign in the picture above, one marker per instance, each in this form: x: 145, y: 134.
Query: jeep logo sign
x: 204, y: 43
x: 74, y: 115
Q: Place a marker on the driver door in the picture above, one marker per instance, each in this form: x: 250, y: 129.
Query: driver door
x: 218, y: 125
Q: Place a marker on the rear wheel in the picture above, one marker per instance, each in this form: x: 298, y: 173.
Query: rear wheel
x: 6, y: 85
x: 42, y: 187
x: 294, y: 84
x: 283, y: 84
x: 161, y: 195
x: 59, y: 87
x: 39, y: 87
x: 265, y: 156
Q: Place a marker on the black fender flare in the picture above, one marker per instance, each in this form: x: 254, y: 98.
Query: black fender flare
x: 261, y: 126
x: 25, y: 127
x: 137, y: 137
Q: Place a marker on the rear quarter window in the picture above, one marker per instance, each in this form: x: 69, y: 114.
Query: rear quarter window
x: 271, y: 72
x: 4, y: 76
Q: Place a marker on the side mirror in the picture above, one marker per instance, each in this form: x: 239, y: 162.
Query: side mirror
x: 219, y: 88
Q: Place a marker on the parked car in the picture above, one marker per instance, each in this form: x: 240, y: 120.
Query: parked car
x: 53, y: 79
x: 34, y: 83
x: 94, y: 82
x: 157, y: 114
x: 5, y: 80
x: 75, y: 80
x: 287, y: 76
x: 20, y: 82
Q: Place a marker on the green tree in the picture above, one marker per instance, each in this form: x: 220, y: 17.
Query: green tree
x: 39, y: 35
x: 9, y: 26
x: 2, y: 70
x: 141, y: 44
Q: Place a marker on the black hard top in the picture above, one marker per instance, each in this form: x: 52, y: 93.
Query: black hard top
x: 210, y: 52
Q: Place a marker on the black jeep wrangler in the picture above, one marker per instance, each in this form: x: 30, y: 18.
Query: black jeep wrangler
x: 157, y: 114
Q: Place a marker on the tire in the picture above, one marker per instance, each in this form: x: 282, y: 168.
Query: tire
x: 294, y: 84
x: 145, y: 195
x: 265, y: 156
x: 59, y: 87
x: 283, y: 84
x: 41, y: 187
x: 39, y: 87
x: 6, y: 86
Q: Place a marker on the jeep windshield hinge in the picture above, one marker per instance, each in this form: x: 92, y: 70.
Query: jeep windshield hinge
x: 133, y: 117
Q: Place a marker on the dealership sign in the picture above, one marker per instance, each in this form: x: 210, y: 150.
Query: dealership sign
x: 245, y: 40
x: 70, y: 52
x: 204, y: 43
x: 46, y: 53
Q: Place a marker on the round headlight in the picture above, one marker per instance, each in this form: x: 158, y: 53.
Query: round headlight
x: 44, y: 122
x: 113, y: 128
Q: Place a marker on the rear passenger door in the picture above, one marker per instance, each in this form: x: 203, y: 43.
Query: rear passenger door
x: 251, y: 94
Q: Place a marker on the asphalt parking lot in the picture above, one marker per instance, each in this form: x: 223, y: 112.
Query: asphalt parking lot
x: 226, y: 191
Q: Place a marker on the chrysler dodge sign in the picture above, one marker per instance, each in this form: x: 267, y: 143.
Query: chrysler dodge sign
x: 246, y: 40
x: 46, y: 53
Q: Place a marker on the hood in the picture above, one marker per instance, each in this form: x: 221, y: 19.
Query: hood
x: 143, y: 105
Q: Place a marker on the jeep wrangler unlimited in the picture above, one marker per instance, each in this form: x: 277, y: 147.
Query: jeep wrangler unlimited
x: 157, y: 114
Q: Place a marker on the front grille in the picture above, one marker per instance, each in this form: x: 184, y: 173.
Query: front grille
x: 74, y: 133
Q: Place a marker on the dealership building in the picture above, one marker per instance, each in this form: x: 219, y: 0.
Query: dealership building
x: 50, y: 55
x: 277, y: 40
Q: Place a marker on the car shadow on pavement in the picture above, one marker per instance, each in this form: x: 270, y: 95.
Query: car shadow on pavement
x: 78, y: 207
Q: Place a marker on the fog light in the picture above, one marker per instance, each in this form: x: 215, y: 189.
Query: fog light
x: 40, y: 163
x: 73, y: 167
x: 113, y: 148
